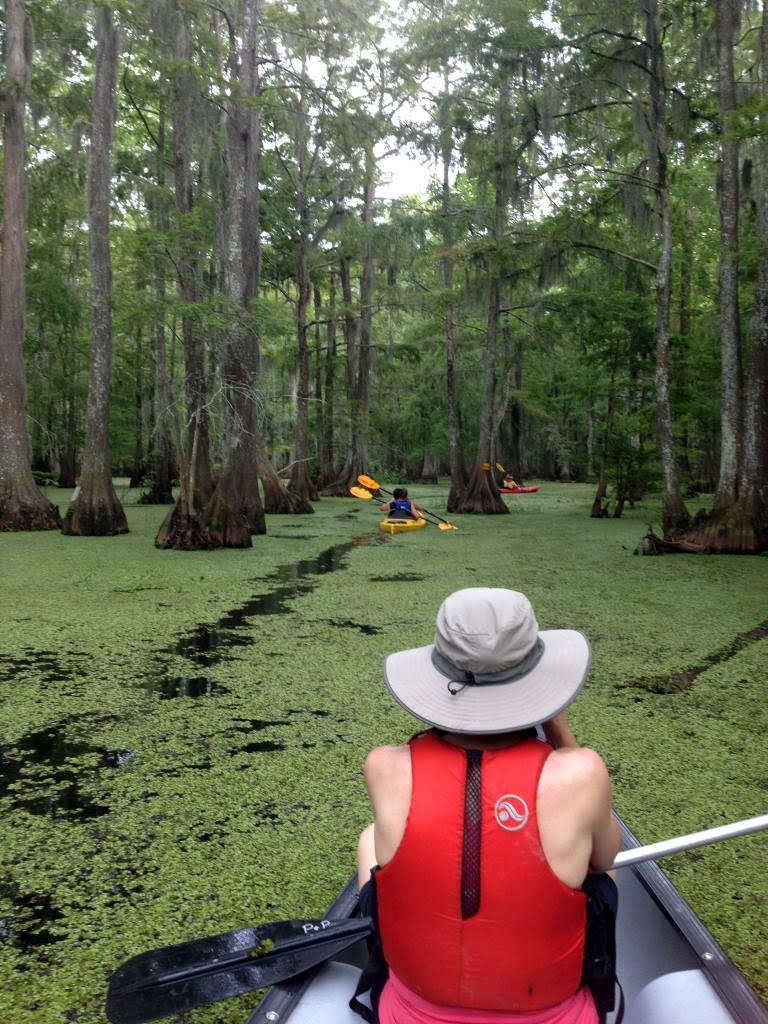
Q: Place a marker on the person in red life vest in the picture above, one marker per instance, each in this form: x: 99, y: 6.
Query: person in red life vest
x: 483, y: 833
x: 401, y: 506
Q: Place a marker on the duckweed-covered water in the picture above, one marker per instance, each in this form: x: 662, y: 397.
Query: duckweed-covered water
x: 182, y: 734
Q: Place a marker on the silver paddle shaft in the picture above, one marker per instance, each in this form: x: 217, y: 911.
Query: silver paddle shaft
x: 689, y: 842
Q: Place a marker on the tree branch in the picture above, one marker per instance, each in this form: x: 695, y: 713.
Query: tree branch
x: 616, y: 252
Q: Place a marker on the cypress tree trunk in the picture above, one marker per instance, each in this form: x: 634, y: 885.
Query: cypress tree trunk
x: 732, y: 527
x: 359, y: 356
x: 317, y: 391
x: 326, y: 451
x: 455, y: 453
x: 360, y: 459
x: 139, y: 466
x: 96, y: 511
x: 753, y: 483
x: 674, y: 515
x: 481, y: 494
x: 728, y: 209
x: 599, y: 503
x: 347, y: 478
x: 160, y: 492
x: 23, y: 506
x: 517, y: 463
x: 236, y: 510
x: 182, y: 527
x: 300, y: 482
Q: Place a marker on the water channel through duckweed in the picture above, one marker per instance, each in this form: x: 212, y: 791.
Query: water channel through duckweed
x: 207, y: 645
x: 677, y: 682
x: 44, y: 772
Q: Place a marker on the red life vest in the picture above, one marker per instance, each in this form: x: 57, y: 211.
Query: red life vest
x: 522, y: 946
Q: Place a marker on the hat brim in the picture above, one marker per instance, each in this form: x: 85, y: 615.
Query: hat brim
x: 500, y: 707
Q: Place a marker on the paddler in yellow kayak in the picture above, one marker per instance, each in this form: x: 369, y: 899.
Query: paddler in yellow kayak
x: 401, y: 506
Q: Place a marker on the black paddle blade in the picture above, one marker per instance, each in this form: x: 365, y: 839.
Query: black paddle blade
x: 178, y: 978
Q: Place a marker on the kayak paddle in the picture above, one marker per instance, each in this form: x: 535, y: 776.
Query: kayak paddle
x: 370, y: 483
x: 178, y: 978
x: 360, y: 492
x: 689, y: 842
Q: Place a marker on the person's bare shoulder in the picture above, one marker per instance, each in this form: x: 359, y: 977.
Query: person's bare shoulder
x: 580, y: 762
x: 580, y: 774
x: 384, y: 762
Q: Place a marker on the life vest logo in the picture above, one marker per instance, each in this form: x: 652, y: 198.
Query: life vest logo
x: 511, y: 812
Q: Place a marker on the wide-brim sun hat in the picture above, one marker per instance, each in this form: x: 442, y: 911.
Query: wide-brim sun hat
x: 490, y: 669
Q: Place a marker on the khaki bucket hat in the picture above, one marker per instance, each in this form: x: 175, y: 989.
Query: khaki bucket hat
x: 490, y: 669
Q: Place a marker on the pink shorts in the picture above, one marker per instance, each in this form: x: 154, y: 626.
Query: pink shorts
x: 399, y: 1005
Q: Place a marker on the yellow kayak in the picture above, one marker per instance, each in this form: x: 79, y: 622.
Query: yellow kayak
x: 401, y: 525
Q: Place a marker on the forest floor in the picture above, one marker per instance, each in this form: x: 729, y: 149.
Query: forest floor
x: 182, y: 734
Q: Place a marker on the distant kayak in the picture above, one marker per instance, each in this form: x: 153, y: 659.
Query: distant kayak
x: 519, y: 490
x: 401, y: 525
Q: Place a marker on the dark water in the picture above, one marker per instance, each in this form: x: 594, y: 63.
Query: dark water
x: 256, y: 724
x: 361, y: 627
x: 187, y: 686
x: 40, y: 773
x: 401, y: 577
x: 207, y: 645
x: 32, y: 916
x: 50, y: 666
x: 677, y: 682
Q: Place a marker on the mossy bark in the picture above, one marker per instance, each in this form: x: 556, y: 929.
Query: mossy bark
x: 730, y: 529
x: 234, y: 512
x: 278, y: 500
x: 95, y: 511
x: 22, y: 504
x: 675, y: 518
x: 481, y: 496
x: 182, y: 530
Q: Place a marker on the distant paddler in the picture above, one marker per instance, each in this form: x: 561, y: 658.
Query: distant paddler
x: 401, y: 506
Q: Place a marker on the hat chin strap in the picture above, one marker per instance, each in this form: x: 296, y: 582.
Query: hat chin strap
x: 461, y: 678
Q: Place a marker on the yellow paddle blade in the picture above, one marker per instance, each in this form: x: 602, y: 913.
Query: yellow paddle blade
x: 486, y: 466
x: 360, y: 492
x: 446, y: 526
x: 500, y: 467
x: 368, y: 481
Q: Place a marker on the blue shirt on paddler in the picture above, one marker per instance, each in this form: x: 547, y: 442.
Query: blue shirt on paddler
x: 401, y: 505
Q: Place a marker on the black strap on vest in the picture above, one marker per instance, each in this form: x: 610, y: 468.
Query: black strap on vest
x: 473, y: 830
x: 375, y: 973
x: 598, y: 971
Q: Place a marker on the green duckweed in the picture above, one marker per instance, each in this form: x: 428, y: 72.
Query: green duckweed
x: 171, y: 769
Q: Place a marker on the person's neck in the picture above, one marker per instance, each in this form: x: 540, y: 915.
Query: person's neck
x: 485, y: 741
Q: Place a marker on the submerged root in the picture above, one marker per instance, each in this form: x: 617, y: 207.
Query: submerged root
x: 651, y: 544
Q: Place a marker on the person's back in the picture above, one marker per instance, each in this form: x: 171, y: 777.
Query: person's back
x: 401, y: 506
x: 482, y: 842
